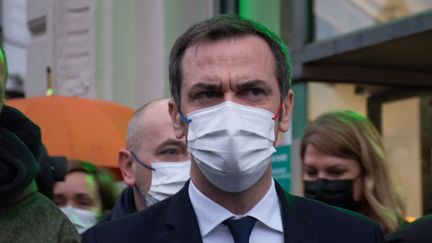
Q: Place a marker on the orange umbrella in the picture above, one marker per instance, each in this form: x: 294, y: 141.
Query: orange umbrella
x: 78, y: 128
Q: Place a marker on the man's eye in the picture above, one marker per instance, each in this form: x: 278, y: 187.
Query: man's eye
x: 253, y: 94
x: 207, y: 95
x: 256, y: 92
x: 170, y: 151
x: 170, y: 154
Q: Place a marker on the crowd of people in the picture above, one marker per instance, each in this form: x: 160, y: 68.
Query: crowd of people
x: 197, y: 166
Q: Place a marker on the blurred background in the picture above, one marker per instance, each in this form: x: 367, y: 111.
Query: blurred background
x: 370, y: 56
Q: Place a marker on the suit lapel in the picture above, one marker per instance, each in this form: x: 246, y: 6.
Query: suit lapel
x: 181, y: 220
x: 295, y: 224
x: 182, y: 223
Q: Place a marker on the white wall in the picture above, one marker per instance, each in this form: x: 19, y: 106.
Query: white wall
x: 324, y: 97
x: 134, y: 38
x: 16, y: 37
x: 51, y: 33
x: 401, y: 133
x: 74, y: 53
x: 104, y: 52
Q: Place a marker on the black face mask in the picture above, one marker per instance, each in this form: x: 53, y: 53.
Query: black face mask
x: 334, y: 192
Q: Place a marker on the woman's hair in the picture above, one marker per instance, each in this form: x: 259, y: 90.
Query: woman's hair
x: 347, y: 134
x: 103, y: 178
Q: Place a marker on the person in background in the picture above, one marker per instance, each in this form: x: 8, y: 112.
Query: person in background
x: 155, y: 164
x: 231, y: 94
x: 345, y: 165
x: 25, y: 214
x: 86, y: 195
x: 419, y: 231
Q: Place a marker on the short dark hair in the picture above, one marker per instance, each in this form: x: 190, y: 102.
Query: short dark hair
x: 224, y: 27
x: 103, y: 178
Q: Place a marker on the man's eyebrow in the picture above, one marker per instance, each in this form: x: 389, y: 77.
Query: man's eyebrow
x: 254, y: 84
x: 203, y: 87
x: 171, y: 142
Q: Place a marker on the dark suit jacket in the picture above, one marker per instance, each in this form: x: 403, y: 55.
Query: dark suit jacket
x: 420, y: 231
x: 125, y: 205
x: 173, y: 220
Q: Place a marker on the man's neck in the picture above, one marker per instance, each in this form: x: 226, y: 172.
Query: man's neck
x: 236, y: 202
x: 140, y: 203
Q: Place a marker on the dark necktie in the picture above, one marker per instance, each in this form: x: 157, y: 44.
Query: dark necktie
x: 240, y: 228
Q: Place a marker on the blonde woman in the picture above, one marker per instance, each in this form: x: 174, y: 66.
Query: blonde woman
x: 345, y: 165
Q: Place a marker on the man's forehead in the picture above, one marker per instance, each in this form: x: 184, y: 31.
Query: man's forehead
x: 155, y: 117
x: 154, y: 123
x: 246, y: 58
x: 209, y: 48
x: 156, y: 126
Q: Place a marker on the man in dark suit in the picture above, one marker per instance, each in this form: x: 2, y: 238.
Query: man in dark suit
x: 154, y: 164
x: 231, y: 96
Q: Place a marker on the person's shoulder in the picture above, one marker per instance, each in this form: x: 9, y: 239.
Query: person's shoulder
x: 417, y: 231
x: 320, y: 211
x: 130, y: 228
x: 336, y: 224
x: 36, y: 215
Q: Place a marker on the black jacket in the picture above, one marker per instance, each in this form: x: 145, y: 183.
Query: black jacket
x: 420, y: 231
x: 30, y: 159
x: 20, y: 151
x: 173, y: 220
x: 25, y: 214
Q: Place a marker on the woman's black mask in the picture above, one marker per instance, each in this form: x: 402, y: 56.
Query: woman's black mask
x: 334, y: 192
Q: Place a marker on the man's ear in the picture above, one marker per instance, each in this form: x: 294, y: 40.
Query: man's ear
x: 178, y: 125
x: 287, y: 106
x: 126, y: 165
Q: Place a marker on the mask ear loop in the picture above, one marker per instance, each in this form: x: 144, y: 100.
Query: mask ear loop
x: 184, y: 118
x: 276, y: 115
x: 142, y: 163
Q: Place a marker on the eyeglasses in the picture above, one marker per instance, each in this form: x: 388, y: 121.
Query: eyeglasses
x: 141, y: 162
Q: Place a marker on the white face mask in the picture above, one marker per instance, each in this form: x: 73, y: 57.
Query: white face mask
x: 80, y: 218
x: 167, y: 179
x: 231, y: 144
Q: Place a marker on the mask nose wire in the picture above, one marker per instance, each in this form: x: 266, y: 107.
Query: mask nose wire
x: 187, y: 120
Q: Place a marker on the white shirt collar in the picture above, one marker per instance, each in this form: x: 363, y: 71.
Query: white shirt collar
x: 210, y: 214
